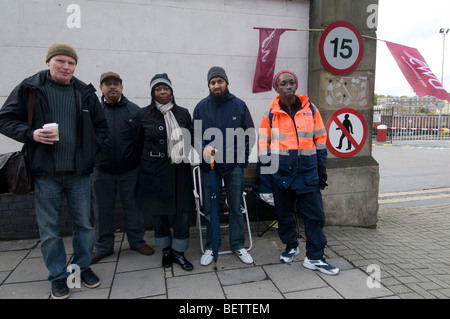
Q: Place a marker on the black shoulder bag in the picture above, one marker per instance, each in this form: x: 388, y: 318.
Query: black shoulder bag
x: 15, y: 175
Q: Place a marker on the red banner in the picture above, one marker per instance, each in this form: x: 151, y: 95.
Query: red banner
x: 267, y: 55
x: 417, y: 72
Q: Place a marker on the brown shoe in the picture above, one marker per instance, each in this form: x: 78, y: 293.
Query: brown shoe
x: 146, y: 250
x: 97, y: 257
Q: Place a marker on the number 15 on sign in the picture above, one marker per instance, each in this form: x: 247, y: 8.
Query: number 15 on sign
x: 341, y: 48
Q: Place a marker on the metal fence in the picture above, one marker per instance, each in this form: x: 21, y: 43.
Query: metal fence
x: 413, y: 127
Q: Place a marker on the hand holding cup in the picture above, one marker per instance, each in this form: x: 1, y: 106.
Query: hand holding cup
x: 48, y: 134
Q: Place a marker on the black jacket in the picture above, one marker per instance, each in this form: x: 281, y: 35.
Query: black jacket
x: 91, y: 123
x: 163, y: 188
x: 119, y: 152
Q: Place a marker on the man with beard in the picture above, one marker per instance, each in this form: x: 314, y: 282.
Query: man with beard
x: 228, y: 119
x: 116, y: 168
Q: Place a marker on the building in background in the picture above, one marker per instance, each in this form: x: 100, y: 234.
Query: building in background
x: 407, y: 105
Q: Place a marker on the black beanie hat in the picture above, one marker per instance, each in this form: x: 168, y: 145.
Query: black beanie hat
x: 160, y: 79
x: 217, y: 71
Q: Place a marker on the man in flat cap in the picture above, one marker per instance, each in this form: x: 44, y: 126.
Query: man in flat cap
x: 60, y: 167
x: 116, y: 171
x: 224, y: 112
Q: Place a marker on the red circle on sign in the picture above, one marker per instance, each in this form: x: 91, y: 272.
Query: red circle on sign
x: 334, y: 118
x: 328, y: 64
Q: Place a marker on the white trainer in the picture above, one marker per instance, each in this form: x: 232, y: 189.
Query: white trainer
x: 206, y: 258
x: 288, y: 254
x: 320, y: 265
x: 244, y: 256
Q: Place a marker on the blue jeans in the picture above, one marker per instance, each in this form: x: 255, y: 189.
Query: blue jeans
x: 311, y: 208
x: 48, y: 197
x: 234, y: 186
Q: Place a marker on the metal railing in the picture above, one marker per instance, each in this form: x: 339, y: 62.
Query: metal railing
x: 416, y: 127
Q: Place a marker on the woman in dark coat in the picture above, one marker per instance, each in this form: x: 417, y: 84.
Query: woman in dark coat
x: 165, y: 187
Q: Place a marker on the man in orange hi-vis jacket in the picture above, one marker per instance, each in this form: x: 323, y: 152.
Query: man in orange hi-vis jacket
x: 293, y: 136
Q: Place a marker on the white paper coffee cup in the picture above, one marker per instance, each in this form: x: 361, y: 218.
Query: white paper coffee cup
x: 54, y: 127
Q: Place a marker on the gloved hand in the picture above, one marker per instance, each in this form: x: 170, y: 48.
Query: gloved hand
x: 323, y: 177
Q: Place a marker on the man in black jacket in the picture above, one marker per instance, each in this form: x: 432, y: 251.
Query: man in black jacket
x: 116, y: 171
x: 60, y: 167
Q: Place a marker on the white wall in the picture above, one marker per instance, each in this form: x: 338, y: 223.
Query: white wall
x: 139, y: 38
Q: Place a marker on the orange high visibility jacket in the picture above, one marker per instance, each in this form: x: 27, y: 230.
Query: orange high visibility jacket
x: 295, y: 148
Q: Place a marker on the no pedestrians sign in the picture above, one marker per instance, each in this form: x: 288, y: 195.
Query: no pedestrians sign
x: 347, y: 132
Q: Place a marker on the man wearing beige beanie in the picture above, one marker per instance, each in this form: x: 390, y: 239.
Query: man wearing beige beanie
x: 60, y: 167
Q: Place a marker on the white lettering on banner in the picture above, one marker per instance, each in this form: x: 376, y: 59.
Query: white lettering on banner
x: 73, y: 20
x: 265, y: 44
x: 425, y: 69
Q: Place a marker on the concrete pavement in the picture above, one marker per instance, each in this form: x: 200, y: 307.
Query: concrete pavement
x: 408, y: 254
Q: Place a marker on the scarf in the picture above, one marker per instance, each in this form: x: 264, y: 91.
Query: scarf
x: 175, y: 140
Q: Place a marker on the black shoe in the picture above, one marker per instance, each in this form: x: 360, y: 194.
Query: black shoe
x: 60, y: 289
x: 182, y: 261
x: 89, y: 279
x: 167, y: 257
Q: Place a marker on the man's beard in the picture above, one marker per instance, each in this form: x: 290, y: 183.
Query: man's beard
x: 219, y: 98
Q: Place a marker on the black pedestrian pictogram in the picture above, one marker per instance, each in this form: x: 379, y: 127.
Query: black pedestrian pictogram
x: 355, y: 131
x: 349, y: 127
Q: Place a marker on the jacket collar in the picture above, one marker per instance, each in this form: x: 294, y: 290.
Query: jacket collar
x: 275, y: 105
x: 229, y: 97
x: 122, y: 101
x: 38, y: 80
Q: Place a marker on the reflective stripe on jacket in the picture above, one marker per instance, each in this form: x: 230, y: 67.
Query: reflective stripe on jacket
x: 298, y: 143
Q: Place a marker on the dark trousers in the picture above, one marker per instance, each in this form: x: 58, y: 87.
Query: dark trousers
x: 178, y: 240
x: 311, y: 208
x: 105, y: 187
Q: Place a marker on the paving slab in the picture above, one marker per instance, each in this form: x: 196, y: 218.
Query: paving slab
x: 196, y: 286
x: 239, y: 276
x: 316, y: 293
x: 255, y: 290
x: 293, y: 277
x: 352, y: 284
x: 11, y: 259
x: 30, y: 269
x: 23, y: 244
x: 26, y: 290
x: 132, y: 260
x: 138, y: 284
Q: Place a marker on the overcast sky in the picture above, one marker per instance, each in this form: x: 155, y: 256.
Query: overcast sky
x: 413, y: 23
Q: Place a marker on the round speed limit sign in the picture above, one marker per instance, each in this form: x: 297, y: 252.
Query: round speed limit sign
x: 341, y: 47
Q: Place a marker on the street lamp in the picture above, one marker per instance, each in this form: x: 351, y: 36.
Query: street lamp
x: 444, y: 33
